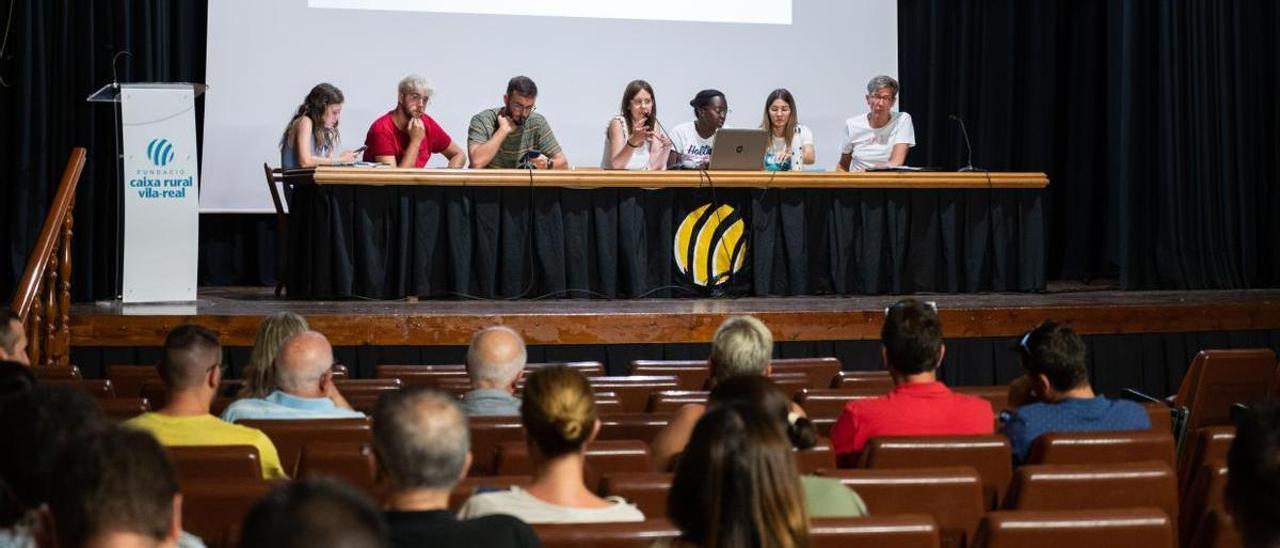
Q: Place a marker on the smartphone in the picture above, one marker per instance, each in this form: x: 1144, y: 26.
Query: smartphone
x: 361, y: 149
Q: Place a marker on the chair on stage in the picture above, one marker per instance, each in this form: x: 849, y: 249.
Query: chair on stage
x: 276, y: 177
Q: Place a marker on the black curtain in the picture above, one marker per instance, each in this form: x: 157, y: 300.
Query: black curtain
x: 1156, y: 121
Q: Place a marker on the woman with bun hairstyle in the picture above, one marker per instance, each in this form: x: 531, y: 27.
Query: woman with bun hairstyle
x: 558, y: 412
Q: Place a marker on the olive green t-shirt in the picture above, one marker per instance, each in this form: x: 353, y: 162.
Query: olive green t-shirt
x: 534, y: 134
x: 828, y: 498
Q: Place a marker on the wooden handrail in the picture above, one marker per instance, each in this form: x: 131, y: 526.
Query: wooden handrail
x: 43, y: 298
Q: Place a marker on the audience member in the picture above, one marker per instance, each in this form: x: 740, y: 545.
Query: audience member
x: 260, y: 375
x: 311, y: 138
x: 1252, y: 495
x: 736, y: 485
x: 191, y: 369
x: 407, y: 136
x: 630, y: 140
x: 513, y: 135
x: 13, y: 339
x: 495, y: 363
x: 692, y: 142
x: 304, y: 385
x: 559, y: 417
x: 912, y: 350
x: 881, y: 137
x: 824, y: 497
x: 1056, y: 378
x: 741, y: 346
x: 423, y: 447
x: 790, y: 143
x: 314, y: 513
x: 115, y: 488
x: 15, y: 379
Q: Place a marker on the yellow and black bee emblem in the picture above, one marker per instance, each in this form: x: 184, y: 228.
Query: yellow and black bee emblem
x: 709, y: 245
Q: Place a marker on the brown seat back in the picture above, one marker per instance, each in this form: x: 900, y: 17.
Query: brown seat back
x: 634, y: 391
x: 229, y: 463
x: 670, y: 401
x: 1204, y: 495
x: 123, y: 409
x: 486, y: 434
x: 356, y: 387
x: 1102, y: 447
x: 690, y: 374
x: 997, y: 396
x: 1217, y: 379
x: 471, y: 485
x: 100, y: 389
x: 1204, y: 445
x: 602, y: 457
x: 1160, y: 417
x: 420, y: 375
x: 821, y: 371
x: 898, y: 531
x: 819, y: 457
x: 352, y: 462
x: 1081, y: 486
x: 56, y: 372
x: 791, y: 382
x: 880, y: 381
x: 290, y: 436
x: 640, y: 534
x: 211, y: 508
x: 953, y: 496
x: 128, y: 379
x: 647, y: 490
x: 587, y: 368
x: 632, y: 426
x: 990, y: 455
x: 1075, y: 528
x: 1216, y: 530
x: 824, y: 405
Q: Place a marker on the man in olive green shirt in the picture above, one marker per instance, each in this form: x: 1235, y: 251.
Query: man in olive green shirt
x: 514, y: 136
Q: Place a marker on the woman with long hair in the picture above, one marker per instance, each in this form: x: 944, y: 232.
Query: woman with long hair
x: 260, y: 375
x: 311, y: 137
x: 790, y: 144
x: 631, y: 141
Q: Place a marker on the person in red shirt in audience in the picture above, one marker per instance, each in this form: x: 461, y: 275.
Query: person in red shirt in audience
x: 406, y: 136
x: 912, y: 350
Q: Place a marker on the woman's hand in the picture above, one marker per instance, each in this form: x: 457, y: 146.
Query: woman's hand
x: 347, y: 157
x: 640, y: 133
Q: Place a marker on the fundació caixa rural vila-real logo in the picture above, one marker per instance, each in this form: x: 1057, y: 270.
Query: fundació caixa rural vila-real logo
x: 160, y: 151
x: 168, y: 179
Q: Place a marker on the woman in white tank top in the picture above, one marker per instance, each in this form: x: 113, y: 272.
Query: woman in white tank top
x: 630, y: 141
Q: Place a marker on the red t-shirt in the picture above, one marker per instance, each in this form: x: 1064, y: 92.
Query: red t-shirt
x: 384, y: 139
x: 915, y: 409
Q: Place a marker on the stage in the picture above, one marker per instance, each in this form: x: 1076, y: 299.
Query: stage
x: 1136, y: 338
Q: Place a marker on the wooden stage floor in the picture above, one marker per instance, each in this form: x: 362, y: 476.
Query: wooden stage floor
x: 236, y: 311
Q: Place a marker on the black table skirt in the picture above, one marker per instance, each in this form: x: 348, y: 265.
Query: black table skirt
x: 522, y: 242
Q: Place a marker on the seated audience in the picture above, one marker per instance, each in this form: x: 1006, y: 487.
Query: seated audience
x: 790, y: 144
x: 736, y: 484
x: 1252, y: 496
x: 423, y: 447
x: 15, y: 379
x: 881, y: 137
x: 559, y: 418
x: 912, y: 350
x: 260, y: 375
x: 824, y: 497
x: 192, y: 368
x: 406, y: 136
x: 311, y: 137
x: 13, y: 339
x: 691, y: 142
x: 304, y: 385
x: 495, y: 362
x: 630, y: 140
x: 314, y: 513
x: 1056, y: 380
x: 741, y: 346
x: 116, y: 488
x: 513, y: 135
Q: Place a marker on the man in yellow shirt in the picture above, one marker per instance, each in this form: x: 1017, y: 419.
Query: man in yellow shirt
x: 191, y: 369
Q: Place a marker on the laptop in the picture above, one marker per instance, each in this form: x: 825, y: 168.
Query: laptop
x: 739, y: 150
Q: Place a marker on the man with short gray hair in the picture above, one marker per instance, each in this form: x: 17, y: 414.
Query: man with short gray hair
x: 406, y: 136
x: 421, y: 440
x: 495, y: 362
x: 304, y: 385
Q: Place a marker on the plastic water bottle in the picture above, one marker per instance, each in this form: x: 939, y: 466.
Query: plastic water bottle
x: 797, y: 155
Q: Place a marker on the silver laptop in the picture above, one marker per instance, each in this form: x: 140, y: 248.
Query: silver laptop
x: 739, y: 150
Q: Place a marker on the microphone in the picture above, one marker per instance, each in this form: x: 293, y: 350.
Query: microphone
x: 967, y: 146
x: 115, y: 81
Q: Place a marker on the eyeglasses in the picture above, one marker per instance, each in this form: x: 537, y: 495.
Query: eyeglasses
x: 883, y: 98
x: 516, y: 108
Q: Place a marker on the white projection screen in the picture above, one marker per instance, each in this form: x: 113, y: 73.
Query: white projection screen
x: 263, y: 57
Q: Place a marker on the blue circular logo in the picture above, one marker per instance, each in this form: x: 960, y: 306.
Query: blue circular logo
x: 160, y: 151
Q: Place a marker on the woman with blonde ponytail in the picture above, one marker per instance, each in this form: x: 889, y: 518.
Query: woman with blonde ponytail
x: 559, y: 416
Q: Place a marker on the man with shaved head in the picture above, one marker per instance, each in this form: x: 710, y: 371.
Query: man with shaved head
x: 304, y: 385
x: 423, y: 448
x: 495, y: 362
x: 191, y: 369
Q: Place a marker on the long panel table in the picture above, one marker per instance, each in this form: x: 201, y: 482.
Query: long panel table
x: 383, y: 233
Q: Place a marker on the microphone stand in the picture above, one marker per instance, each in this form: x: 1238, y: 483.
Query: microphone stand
x: 967, y: 146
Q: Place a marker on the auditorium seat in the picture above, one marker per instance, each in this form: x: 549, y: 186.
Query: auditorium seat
x: 363, y: 402
x: 587, y: 368
x: 607, y: 403
x: 352, y: 462
x: 1204, y: 445
x: 1160, y: 416
x: 290, y: 436
x: 420, y: 375
x: 486, y: 434
x: 472, y: 485
x: 647, y: 490
x: 899, y: 531
x: 632, y: 426
x: 863, y: 380
x: 1094, y: 486
x: 1116, y: 528
x: 1217, y: 379
x: 670, y: 401
x: 821, y: 371
x: 602, y: 457
x: 791, y: 382
x: 221, y: 463
x: 98, y: 388
x: 824, y: 405
x: 990, y: 455
x: 216, y: 408
x: 45, y: 373
x: 123, y: 409
x: 689, y: 374
x: 1102, y: 448
x: 211, y: 508
x: 819, y: 457
x: 129, y: 379
x: 997, y: 396
x: 634, y: 391
x: 1216, y: 530
x: 952, y: 495
x: 365, y: 386
x: 1202, y: 496
x: 641, y: 534
x: 158, y: 394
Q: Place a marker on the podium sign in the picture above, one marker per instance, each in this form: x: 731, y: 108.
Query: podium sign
x: 161, y: 193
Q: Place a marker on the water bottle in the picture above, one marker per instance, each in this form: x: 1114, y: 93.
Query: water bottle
x: 797, y: 155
